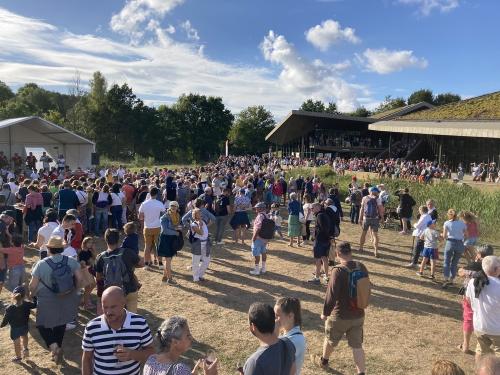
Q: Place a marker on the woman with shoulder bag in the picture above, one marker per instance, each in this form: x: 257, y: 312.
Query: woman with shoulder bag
x: 170, y: 238
x: 200, y: 246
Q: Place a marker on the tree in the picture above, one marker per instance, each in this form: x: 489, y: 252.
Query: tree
x: 389, y: 103
x: 332, y: 108
x: 247, y: 135
x: 204, y: 125
x: 360, y: 112
x: 446, y: 98
x: 313, y: 106
x: 5, y: 92
x: 422, y: 95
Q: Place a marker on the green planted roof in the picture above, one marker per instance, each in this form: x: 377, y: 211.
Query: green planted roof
x: 484, y: 107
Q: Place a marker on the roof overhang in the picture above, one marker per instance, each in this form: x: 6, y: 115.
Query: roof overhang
x: 47, y: 128
x: 299, y: 123
x: 462, y: 128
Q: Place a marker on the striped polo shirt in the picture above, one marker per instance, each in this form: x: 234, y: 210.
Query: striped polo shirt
x: 102, y: 340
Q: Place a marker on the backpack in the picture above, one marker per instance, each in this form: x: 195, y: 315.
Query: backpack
x: 62, y: 278
x: 359, y: 287
x: 371, y: 209
x: 334, y: 219
x: 115, y: 271
x: 267, y: 228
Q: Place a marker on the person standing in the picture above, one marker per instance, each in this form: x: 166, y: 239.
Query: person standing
x: 340, y: 313
x: 308, y: 216
x: 222, y: 208
x: 170, y: 222
x: 321, y: 247
x: 275, y: 356
x: 259, y: 244
x: 57, y: 295
x: 149, y: 213
x: 420, y: 226
x: 294, y: 226
x: 118, y: 341
x: 454, y: 232
x: 33, y: 211
x: 200, y: 246
x: 405, y: 208
x: 483, y: 293
x: 371, y: 214
x: 67, y: 199
x: 115, y: 267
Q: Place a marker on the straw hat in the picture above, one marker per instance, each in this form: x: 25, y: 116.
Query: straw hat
x: 55, y: 242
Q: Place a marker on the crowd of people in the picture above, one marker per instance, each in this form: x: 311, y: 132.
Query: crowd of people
x: 62, y: 215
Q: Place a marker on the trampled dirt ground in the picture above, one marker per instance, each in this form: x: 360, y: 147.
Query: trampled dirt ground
x: 411, y: 322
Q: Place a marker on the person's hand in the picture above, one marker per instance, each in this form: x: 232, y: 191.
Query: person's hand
x: 323, y: 317
x: 123, y: 354
x: 461, y: 272
x: 210, y: 369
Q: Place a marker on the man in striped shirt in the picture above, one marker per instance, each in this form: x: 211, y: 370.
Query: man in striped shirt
x: 116, y: 342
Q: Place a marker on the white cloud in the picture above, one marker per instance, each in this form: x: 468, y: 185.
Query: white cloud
x: 311, y: 79
x: 427, y: 6
x: 160, y: 69
x: 384, y: 61
x: 191, y: 32
x: 328, y: 33
x: 170, y: 29
x: 130, y: 20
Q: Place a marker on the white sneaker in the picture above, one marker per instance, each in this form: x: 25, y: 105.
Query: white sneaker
x: 255, y: 272
x: 70, y: 326
x: 220, y: 243
x: 263, y: 270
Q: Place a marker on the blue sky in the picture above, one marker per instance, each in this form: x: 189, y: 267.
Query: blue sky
x: 275, y: 53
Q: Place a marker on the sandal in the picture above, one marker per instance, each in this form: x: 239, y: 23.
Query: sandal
x: 16, y: 359
x: 468, y: 351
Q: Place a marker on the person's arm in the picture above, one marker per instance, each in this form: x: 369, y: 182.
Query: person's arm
x: 445, y: 233
x: 79, y: 281
x: 33, y: 285
x: 361, y: 210
x: 330, y: 297
x: 381, y: 211
x: 140, y: 355
x: 6, y: 318
x: 87, y: 362
x: 293, y: 369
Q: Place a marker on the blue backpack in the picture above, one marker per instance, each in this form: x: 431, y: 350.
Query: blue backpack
x: 63, y: 280
x: 371, y: 209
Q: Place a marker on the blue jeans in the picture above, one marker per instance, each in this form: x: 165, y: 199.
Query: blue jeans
x: 16, y: 277
x: 33, y: 227
x: 116, y: 217
x: 101, y: 219
x: 355, y: 214
x: 221, y: 222
x: 453, y: 250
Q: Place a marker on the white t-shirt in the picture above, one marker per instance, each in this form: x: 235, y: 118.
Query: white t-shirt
x: 46, y: 231
x: 486, y: 308
x: 152, y: 210
x: 203, y: 236
x: 117, y: 198
x: 13, y: 187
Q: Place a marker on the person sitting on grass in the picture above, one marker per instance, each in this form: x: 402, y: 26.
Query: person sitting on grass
x: 17, y: 316
x: 431, y: 237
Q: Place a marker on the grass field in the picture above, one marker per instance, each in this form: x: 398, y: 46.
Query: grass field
x: 410, y: 323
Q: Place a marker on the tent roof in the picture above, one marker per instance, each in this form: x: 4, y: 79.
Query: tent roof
x: 401, y: 111
x: 46, y: 128
x: 458, y: 128
x: 299, y: 123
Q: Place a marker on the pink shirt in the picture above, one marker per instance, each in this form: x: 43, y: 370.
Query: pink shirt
x: 15, y: 256
x: 33, y: 200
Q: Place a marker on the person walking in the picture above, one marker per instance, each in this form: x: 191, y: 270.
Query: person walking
x: 101, y: 199
x: 405, y: 208
x: 371, y: 214
x: 454, y: 232
x: 57, y: 295
x: 149, y: 214
x: 420, y: 226
x: 294, y: 226
x: 222, y: 210
x: 118, y: 341
x: 170, y: 222
x: 239, y: 222
x: 341, y: 313
x: 321, y: 246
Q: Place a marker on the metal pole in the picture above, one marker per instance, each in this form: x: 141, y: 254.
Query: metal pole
x: 10, y: 144
x: 390, y: 141
x: 440, y: 150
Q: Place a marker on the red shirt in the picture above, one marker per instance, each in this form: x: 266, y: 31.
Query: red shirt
x: 15, y: 256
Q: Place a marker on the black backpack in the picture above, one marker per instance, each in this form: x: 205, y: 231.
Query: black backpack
x: 334, y: 220
x: 267, y: 228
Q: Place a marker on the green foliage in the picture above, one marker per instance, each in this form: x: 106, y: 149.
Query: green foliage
x: 247, y: 135
x: 486, y: 205
x: 422, y: 95
x: 446, y: 98
x: 360, y: 112
x: 5, y: 92
x: 313, y: 106
x: 389, y: 104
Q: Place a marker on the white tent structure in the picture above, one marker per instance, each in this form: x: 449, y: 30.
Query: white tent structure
x: 35, y: 134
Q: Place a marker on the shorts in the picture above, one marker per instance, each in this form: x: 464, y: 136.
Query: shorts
x: 428, y: 252
x: 151, y: 236
x: 371, y: 223
x: 470, y: 241
x: 16, y: 332
x: 487, y: 344
x: 258, y: 247
x: 335, y: 328
x: 321, y: 249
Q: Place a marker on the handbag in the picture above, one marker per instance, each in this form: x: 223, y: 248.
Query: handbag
x: 178, y: 242
x: 302, y: 218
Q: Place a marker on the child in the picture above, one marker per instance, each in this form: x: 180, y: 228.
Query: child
x: 431, y: 237
x: 86, y: 257
x: 17, y: 316
x: 15, y: 262
x: 131, y: 240
x: 470, y: 242
x: 275, y: 215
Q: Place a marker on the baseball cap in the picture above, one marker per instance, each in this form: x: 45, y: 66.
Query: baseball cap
x: 374, y: 189
x: 260, y: 205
